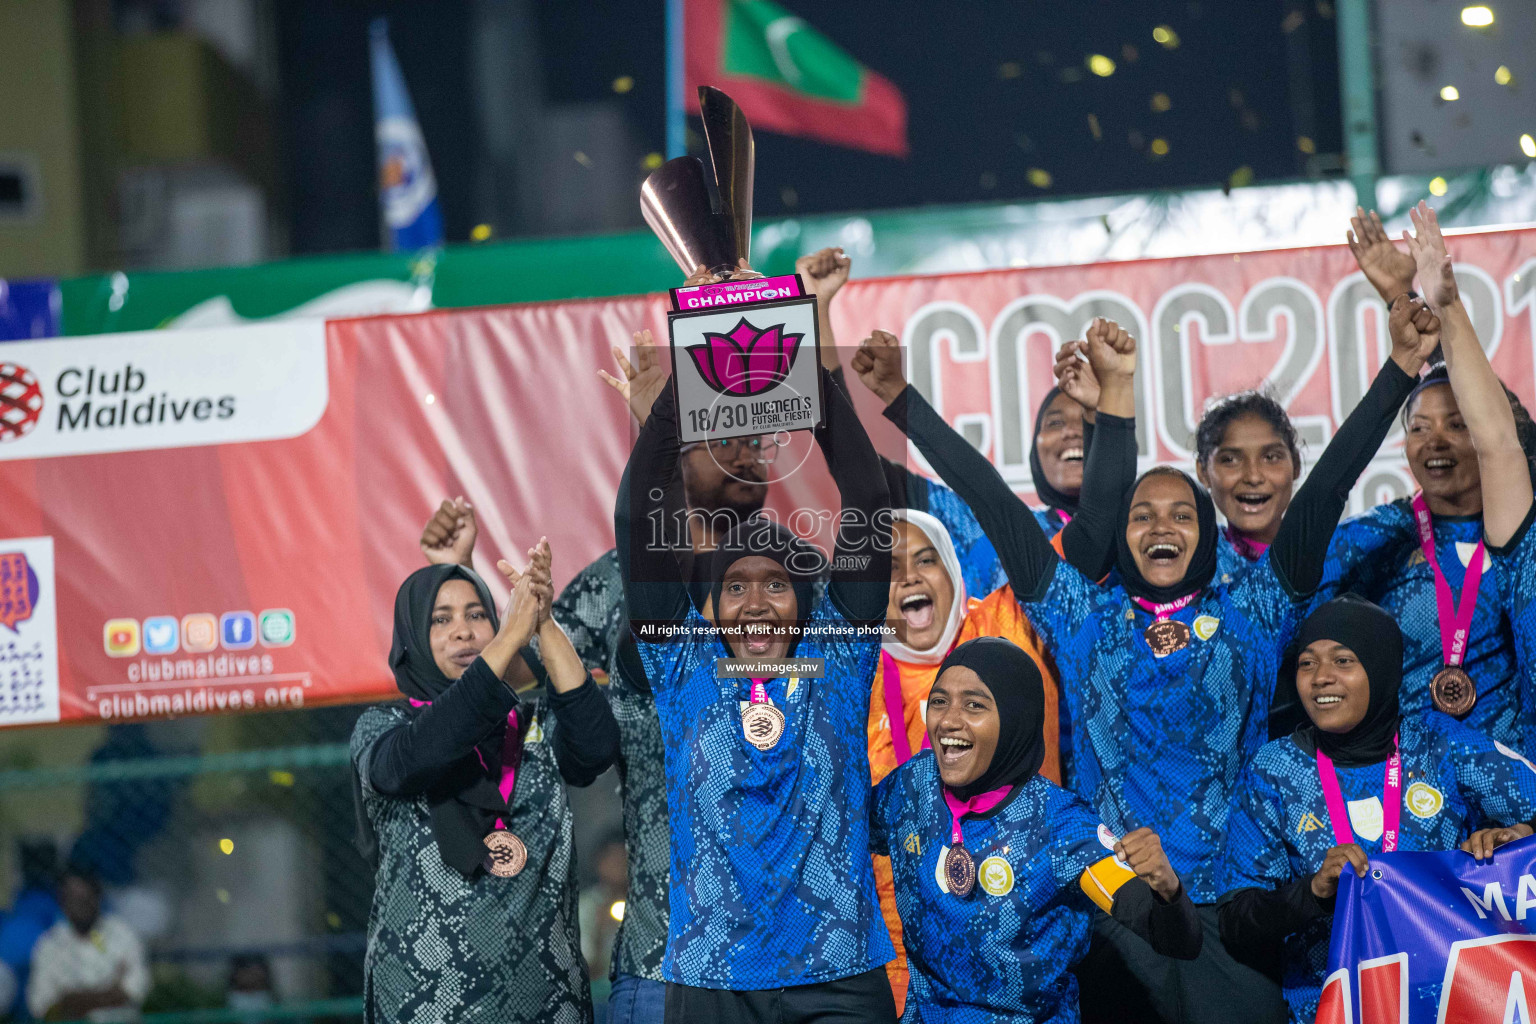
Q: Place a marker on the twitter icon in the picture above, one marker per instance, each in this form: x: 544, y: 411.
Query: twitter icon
x: 161, y: 635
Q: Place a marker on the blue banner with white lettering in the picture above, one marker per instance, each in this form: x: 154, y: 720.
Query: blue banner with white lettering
x: 1435, y: 938
x: 407, y: 187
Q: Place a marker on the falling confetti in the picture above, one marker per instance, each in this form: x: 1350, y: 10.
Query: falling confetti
x: 652, y: 161
x: 1528, y: 145
x: 1161, y: 102
x: 1166, y: 36
x: 1100, y: 65
x: 1010, y: 69
x: 1306, y: 145
x: 1503, y: 76
x: 1437, y: 186
x: 623, y: 84
x: 480, y: 232
x: 1477, y: 17
x: 1159, y: 147
x: 1241, y: 178
x: 1449, y: 93
x: 1039, y: 177
x: 1093, y: 127
x: 582, y: 158
x: 226, y: 846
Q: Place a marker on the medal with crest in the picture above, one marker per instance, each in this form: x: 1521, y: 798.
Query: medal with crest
x: 505, y: 854
x: 761, y: 723
x: 1452, y: 689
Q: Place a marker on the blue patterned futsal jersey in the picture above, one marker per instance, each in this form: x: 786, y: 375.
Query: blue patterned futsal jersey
x: 1003, y: 952
x: 772, y: 884
x: 1515, y: 566
x: 1377, y: 556
x: 1455, y: 780
x: 1158, y: 742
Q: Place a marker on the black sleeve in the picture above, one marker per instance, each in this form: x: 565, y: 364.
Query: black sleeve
x: 586, y: 737
x: 408, y: 759
x: 654, y: 585
x: 1171, y: 929
x: 861, y: 568
x: 1255, y: 922
x: 1301, y: 546
x: 908, y: 489
x: 1109, y: 470
x: 1022, y: 547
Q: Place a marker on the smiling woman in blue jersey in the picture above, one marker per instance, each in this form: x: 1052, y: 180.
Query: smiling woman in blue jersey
x: 1169, y: 673
x: 773, y: 908
x: 997, y: 868
x: 1359, y: 779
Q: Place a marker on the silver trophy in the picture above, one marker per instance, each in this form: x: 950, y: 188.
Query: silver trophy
x: 676, y: 200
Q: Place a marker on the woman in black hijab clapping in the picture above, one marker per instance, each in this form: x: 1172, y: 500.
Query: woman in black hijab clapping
x: 462, y: 807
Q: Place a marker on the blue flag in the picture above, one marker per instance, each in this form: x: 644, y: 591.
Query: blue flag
x: 1435, y: 938
x: 407, y: 188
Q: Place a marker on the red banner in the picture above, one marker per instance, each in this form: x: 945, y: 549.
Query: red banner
x: 203, y: 521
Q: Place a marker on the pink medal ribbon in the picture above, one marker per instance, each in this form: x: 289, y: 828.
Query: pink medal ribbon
x: 1455, y: 622
x: 1159, y: 612
x: 978, y: 804
x: 1391, y: 800
x: 1252, y: 550
x: 895, y: 710
x: 511, y: 751
x: 761, y: 722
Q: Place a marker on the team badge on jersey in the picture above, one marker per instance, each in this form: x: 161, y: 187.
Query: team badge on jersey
x: 996, y: 876
x: 535, y: 731
x: 1206, y: 626
x: 1365, y: 818
x: 1424, y: 800
x: 1309, y: 823
x: 913, y: 844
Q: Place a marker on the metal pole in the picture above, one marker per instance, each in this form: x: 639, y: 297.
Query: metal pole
x: 1357, y: 85
x: 677, y: 123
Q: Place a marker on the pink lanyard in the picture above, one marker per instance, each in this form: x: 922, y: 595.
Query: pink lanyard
x: 978, y: 804
x: 1391, y: 800
x: 511, y: 750
x: 760, y: 692
x: 895, y: 710
x: 1252, y: 550
x: 1162, y: 611
x: 1455, y: 621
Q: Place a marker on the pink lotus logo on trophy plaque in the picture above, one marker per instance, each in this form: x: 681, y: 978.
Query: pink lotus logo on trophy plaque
x: 747, y: 360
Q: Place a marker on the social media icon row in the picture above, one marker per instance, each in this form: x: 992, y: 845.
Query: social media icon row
x: 199, y: 633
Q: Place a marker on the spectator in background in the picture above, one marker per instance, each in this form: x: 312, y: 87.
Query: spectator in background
x: 603, y: 904
x: 250, y: 985
x: 90, y: 965
x: 33, y: 912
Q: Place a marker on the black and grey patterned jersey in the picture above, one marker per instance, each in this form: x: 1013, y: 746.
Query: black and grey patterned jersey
x: 591, y: 611
x: 443, y: 948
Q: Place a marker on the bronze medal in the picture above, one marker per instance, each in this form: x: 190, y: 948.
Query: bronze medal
x: 959, y: 871
x: 1453, y: 691
x: 762, y: 725
x: 505, y: 854
x: 1167, y: 636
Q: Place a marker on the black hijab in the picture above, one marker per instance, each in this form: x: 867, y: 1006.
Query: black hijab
x: 1016, y: 687
x: 1202, y: 563
x: 1048, y: 494
x: 1377, y: 641
x: 803, y: 561
x: 466, y: 802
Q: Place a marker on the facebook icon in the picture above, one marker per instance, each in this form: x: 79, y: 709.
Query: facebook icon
x: 237, y: 630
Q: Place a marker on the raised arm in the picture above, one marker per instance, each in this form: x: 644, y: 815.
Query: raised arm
x: 653, y: 580
x: 1022, y: 547
x: 1479, y: 392
x: 586, y: 741
x: 861, y: 567
x: 1301, y: 547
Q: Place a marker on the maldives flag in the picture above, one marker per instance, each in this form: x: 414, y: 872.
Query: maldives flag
x: 789, y: 78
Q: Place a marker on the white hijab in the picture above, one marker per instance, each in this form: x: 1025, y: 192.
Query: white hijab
x: 939, y: 537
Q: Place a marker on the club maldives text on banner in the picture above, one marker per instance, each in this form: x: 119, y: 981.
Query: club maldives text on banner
x: 214, y: 520
x: 1435, y: 938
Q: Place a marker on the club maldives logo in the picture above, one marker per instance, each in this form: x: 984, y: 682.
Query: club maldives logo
x: 18, y: 590
x: 21, y: 401
x: 746, y: 361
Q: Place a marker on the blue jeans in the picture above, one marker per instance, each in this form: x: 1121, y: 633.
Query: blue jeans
x: 635, y: 1000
